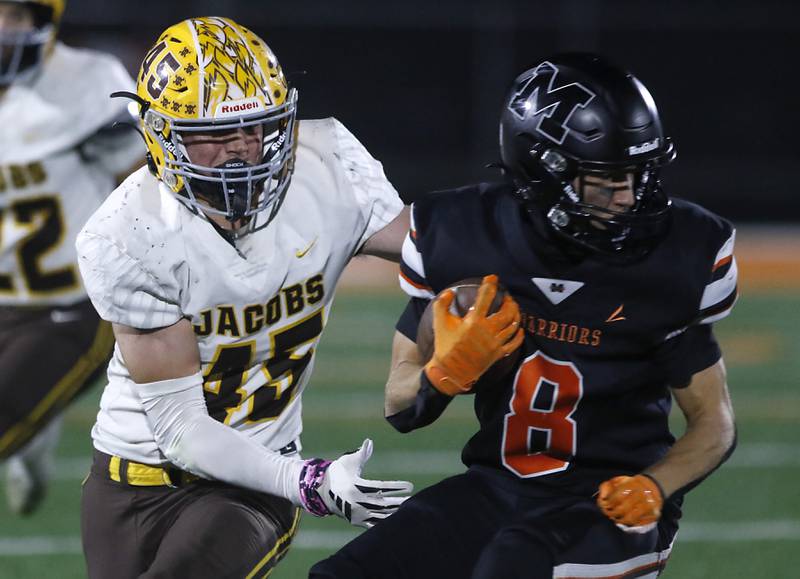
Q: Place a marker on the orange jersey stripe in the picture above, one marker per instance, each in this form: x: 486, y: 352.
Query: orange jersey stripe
x: 722, y: 262
x: 415, y: 284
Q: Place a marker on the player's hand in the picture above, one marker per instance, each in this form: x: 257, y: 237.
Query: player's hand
x: 341, y: 490
x: 464, y: 348
x: 633, y: 502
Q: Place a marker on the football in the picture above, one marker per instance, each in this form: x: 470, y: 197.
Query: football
x: 466, y: 292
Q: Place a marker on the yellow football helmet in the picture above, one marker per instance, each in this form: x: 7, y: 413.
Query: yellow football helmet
x: 23, y: 49
x: 212, y: 76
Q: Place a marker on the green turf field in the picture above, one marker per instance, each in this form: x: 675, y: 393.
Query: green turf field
x: 744, y: 522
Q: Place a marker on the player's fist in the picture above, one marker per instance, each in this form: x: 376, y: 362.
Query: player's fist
x: 464, y: 348
x: 632, y: 502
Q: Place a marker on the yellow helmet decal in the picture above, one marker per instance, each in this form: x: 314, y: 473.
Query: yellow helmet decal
x: 200, y: 63
x: 230, y: 69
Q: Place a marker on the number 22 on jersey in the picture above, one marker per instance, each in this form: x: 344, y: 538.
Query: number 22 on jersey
x: 42, y: 218
x: 539, y: 434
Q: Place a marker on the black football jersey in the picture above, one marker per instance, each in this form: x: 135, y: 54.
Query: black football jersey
x: 589, y: 397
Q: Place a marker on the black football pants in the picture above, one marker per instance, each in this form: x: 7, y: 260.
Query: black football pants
x: 481, y: 526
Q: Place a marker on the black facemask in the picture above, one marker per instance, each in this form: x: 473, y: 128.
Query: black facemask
x: 17, y: 60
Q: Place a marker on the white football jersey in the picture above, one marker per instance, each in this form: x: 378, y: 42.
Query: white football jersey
x: 258, y: 309
x: 58, y: 162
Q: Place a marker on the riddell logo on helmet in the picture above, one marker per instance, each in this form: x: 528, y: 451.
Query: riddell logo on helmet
x: 644, y: 147
x: 235, y: 108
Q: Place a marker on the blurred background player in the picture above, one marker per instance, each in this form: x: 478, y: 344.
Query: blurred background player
x: 217, y: 265
x: 59, y: 158
x: 574, y: 471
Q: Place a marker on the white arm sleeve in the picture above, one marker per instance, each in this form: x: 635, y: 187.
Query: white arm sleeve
x: 195, y: 442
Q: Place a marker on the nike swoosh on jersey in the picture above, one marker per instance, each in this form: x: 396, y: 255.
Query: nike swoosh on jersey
x: 616, y: 316
x: 301, y: 253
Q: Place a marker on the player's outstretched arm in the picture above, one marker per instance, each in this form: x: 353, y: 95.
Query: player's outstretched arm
x: 165, y: 365
x: 387, y: 243
x: 634, y: 502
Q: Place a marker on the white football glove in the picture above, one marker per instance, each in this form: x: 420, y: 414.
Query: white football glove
x: 362, y: 502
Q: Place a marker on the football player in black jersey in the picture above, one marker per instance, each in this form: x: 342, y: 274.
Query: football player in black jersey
x: 573, y: 471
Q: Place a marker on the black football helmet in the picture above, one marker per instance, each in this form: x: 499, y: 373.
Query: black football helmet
x: 575, y: 115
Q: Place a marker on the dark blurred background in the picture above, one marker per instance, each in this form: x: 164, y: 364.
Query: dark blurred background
x: 420, y: 82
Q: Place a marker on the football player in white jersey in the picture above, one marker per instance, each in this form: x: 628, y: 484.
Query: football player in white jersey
x: 59, y: 158
x: 217, y: 266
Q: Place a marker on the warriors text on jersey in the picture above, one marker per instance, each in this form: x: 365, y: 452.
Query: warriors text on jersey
x: 590, y: 396
x: 58, y: 161
x: 257, y: 308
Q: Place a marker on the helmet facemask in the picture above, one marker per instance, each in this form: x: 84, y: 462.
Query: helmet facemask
x: 235, y: 189
x: 623, y: 234
x: 22, y: 52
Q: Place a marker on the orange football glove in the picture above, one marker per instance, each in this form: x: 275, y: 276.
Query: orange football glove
x: 632, y: 502
x: 464, y: 348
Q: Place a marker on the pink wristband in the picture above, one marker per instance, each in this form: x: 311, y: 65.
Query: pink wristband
x: 311, y: 478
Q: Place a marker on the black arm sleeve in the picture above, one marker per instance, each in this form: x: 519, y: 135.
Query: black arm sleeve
x: 428, y: 406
